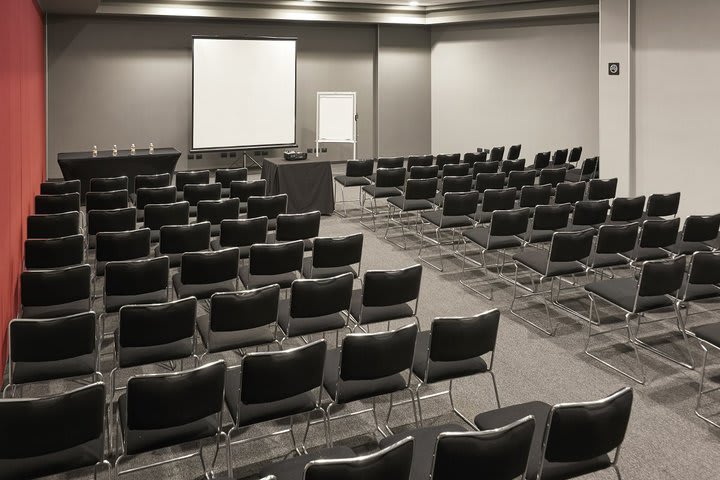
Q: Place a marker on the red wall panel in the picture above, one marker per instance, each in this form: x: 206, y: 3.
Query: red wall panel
x: 22, y: 141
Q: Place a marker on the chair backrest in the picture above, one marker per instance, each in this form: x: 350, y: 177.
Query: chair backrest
x: 52, y: 293
x: 225, y: 176
x: 663, y: 204
x: 704, y: 268
x: 590, y: 212
x: 297, y: 226
x: 455, y: 169
x: 358, y: 168
x: 701, y: 228
x: 332, y: 252
x: 108, y: 184
x: 551, y: 217
x: 267, y: 206
x: 570, y: 192
x: 456, y: 184
x: 159, y: 401
x: 392, y: 352
x: 496, y: 154
x: 599, y: 189
x: 57, y: 203
x: 72, y: 425
x: 116, y: 220
x: 575, y: 154
x: 189, y: 178
x: 57, y: 252
x: 486, y: 181
x: 53, y: 225
x: 617, y: 238
x: 390, y: 162
x: 485, y: 167
x: 247, y: 189
x: 459, y: 203
x: 508, y: 166
x: 419, y: 161
x: 471, y: 157
x: 215, y: 211
x: 322, y: 296
x: 185, y: 238
x: 275, y: 259
x: 390, y: 177
x: 589, y: 168
x: 571, y: 246
x: 626, y: 209
x: 661, y: 277
x: 292, y: 372
x: 533, y: 195
x: 136, y: 277
x: 245, y: 310
x: 447, y: 159
x: 582, y: 431
x: 159, y: 215
x: 209, y: 267
x: 560, y: 156
x: 505, y: 223
x: 462, y: 338
x: 128, y: 245
x: 552, y: 176
x: 110, y: 200
x: 500, y: 454
x: 520, y: 179
x: 56, y: 188
x: 542, y: 160
x: 153, y: 181
x: 149, y: 195
x: 195, y: 192
x: 499, y: 199
x: 421, y: 188
x: 243, y: 232
x: 156, y: 324
x: 424, y: 171
x: 659, y: 233
x: 393, y: 462
x: 383, y: 288
x: 514, y: 152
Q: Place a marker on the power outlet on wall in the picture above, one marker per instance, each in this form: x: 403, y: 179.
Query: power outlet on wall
x: 265, y: 153
x: 323, y: 150
x: 191, y: 157
x: 310, y: 150
x: 198, y: 156
x: 233, y: 154
x: 223, y: 155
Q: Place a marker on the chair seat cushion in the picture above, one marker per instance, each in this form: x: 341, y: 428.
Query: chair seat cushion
x: 481, y: 236
x: 294, y: 468
x: 345, y: 391
x: 644, y: 254
x: 215, y: 246
x: 144, y: 355
x: 688, y: 248
x: 114, y: 302
x: 691, y: 292
x: 309, y: 272
x: 439, y: 371
x: 201, y: 290
x: 154, y: 236
x: 247, y: 415
x: 222, y: 341
x: 537, y: 236
x: 86, y: 454
x: 26, y: 372
x: 437, y: 218
x: 537, y: 260
x: 482, y: 217
x: 621, y: 292
x: 59, y: 310
x: 381, y: 192
x: 410, y: 205
x: 377, y: 314
x: 605, y: 260
x: 709, y: 333
x: 346, y: 181
x: 305, y: 326
x: 256, y: 281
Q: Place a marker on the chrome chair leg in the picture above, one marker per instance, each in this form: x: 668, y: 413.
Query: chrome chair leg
x: 702, y: 391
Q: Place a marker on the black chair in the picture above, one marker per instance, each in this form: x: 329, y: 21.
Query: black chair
x: 240, y: 320
x: 423, y: 171
x: 662, y: 205
x: 225, y: 176
x: 452, y: 185
x: 153, y: 333
x: 417, y: 198
x: 298, y: 226
x: 562, y: 260
x: 587, y: 171
x: 215, y: 211
x: 244, y: 190
x: 418, y: 161
x: 656, y: 237
x: 108, y: 184
x: 514, y: 152
x: 494, y: 199
x: 386, y: 295
x: 386, y: 162
x: 613, y: 243
x: 73, y: 434
x: 48, y: 253
x: 489, y: 181
x: 367, y: 366
x: 57, y: 203
x: 316, y: 306
x: 702, y: 284
x: 203, y: 274
x: 194, y: 193
x: 517, y: 179
x: 496, y: 154
x: 175, y: 240
x: 58, y: 188
x: 356, y: 175
x: 455, y: 170
x: 472, y: 157
x: 269, y: 206
x: 599, y: 189
x: 52, y: 349
x: 560, y: 157
x: 578, y: 438
x: 455, y: 216
x: 151, y: 181
x: 453, y: 348
x: 164, y: 410
x: 656, y: 289
x: 160, y: 215
x: 628, y: 210
x: 153, y: 195
x: 485, y: 167
x: 698, y: 232
x: 117, y: 220
x: 540, y: 163
x: 553, y: 177
x: 575, y: 155
x: 251, y: 399
x: 110, y: 200
x: 570, y: 192
x: 268, y: 264
x: 501, y: 235
x: 241, y: 233
x: 55, y: 293
x: 589, y: 214
x: 387, y: 184
x: 446, y: 159
x: 118, y: 247
x: 546, y: 220
x: 54, y: 225
x: 508, y: 166
x: 190, y: 178
x: 334, y: 256
x: 533, y: 195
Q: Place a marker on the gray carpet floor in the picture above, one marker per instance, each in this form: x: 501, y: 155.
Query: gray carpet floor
x: 664, y: 441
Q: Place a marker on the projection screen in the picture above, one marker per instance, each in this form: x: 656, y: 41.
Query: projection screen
x: 243, y: 93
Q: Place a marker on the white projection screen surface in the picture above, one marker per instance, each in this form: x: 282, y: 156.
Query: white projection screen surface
x: 243, y: 93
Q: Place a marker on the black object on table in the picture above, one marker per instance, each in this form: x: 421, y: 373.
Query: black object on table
x: 308, y: 183
x: 83, y: 166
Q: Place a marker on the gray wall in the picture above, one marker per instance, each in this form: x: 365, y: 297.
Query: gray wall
x: 529, y: 83
x: 403, y: 90
x: 128, y: 80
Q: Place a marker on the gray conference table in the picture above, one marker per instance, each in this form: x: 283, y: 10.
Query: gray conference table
x: 307, y: 183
